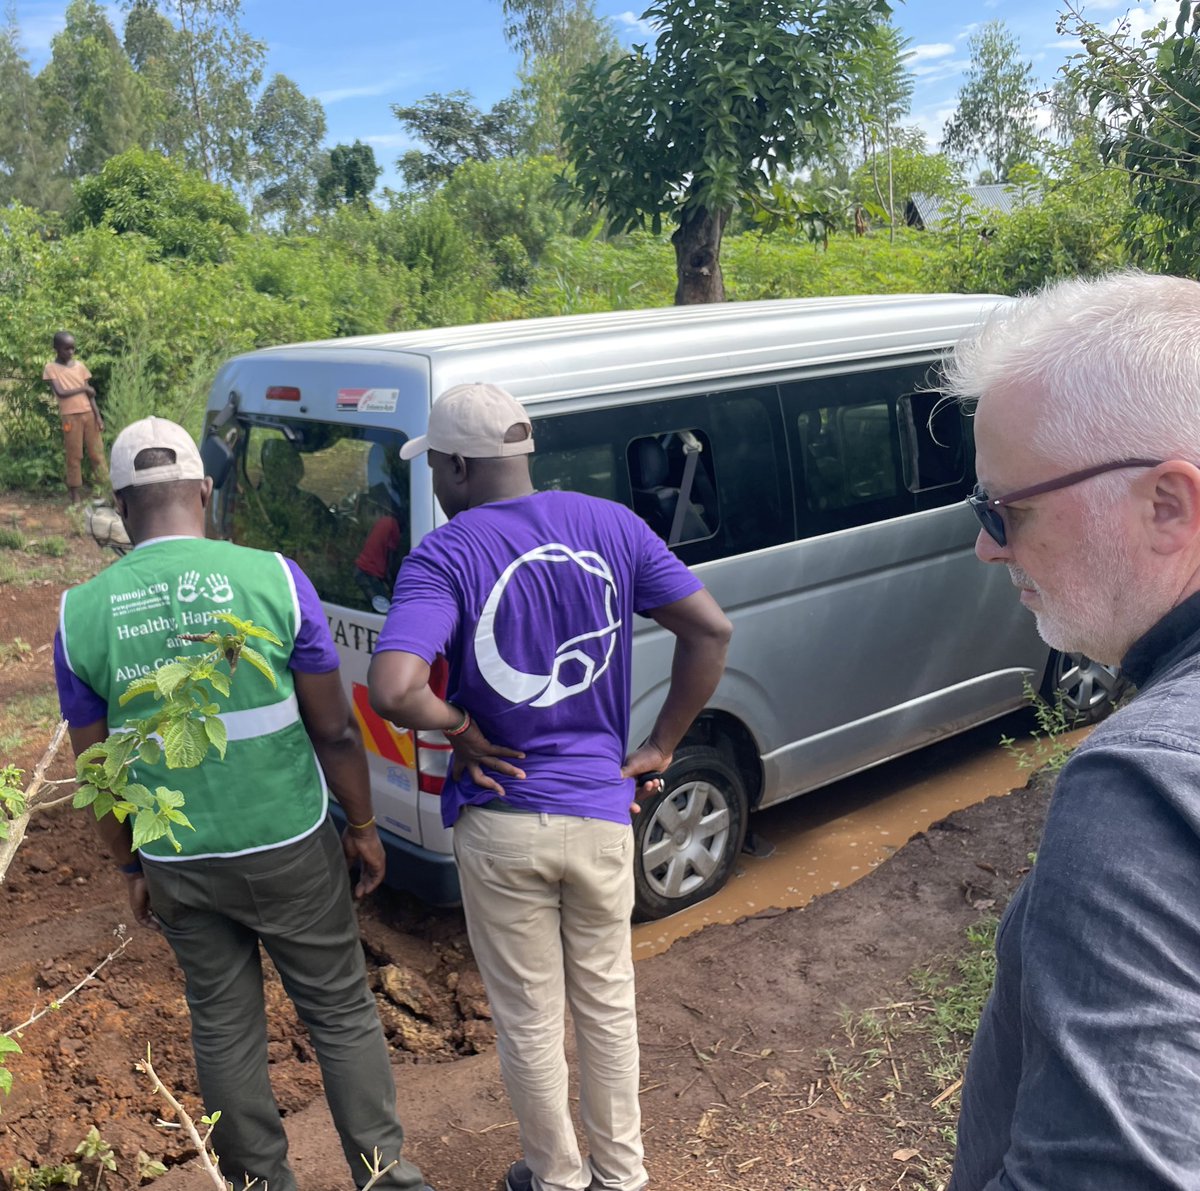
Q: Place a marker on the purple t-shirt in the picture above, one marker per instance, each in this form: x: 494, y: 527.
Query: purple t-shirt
x: 532, y: 602
x: 313, y: 652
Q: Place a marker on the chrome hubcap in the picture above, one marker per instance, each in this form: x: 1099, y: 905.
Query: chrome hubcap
x: 686, y: 839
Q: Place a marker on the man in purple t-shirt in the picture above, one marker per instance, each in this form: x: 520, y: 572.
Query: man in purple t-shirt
x: 531, y: 597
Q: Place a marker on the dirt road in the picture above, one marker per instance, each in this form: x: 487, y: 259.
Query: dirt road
x: 738, y: 1023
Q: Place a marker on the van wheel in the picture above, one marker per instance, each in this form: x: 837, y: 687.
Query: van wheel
x: 687, y: 838
x: 1089, y: 690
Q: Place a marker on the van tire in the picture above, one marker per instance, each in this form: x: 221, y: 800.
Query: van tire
x: 687, y: 838
x: 1089, y: 690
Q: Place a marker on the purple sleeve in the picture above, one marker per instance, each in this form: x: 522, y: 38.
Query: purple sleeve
x: 79, y: 704
x: 661, y: 578
x: 425, y: 609
x: 314, y: 651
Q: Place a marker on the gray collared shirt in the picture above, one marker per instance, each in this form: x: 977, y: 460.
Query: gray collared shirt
x: 1085, y: 1072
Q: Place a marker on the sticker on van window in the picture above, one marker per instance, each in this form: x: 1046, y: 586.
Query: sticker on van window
x: 368, y: 401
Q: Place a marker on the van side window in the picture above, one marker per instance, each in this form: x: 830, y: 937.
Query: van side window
x: 847, y: 451
x: 671, y: 476
x: 637, y: 455
x: 336, y: 499
x: 936, y: 442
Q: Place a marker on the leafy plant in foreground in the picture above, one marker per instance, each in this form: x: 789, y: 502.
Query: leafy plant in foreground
x: 183, y: 728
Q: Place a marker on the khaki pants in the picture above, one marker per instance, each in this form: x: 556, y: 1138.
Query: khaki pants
x: 296, y: 901
x: 80, y: 431
x: 548, y: 900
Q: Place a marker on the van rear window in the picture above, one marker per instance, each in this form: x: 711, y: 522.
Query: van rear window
x: 334, y: 498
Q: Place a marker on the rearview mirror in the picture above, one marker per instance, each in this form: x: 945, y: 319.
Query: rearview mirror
x: 217, y: 457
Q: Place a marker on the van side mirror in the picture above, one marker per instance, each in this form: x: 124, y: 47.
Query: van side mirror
x: 217, y: 456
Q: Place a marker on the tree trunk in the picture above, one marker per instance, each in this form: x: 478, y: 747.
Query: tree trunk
x: 698, y: 258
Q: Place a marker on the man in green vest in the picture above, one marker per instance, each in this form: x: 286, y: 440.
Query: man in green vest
x: 264, y: 863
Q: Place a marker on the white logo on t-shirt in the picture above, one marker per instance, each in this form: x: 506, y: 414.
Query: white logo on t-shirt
x: 544, y: 690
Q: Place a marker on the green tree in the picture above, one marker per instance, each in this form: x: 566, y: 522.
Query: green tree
x: 181, y: 212
x: 883, y: 90
x: 205, y: 72
x: 286, y: 137
x: 734, y: 99
x: 1145, y: 95
x: 30, y: 161
x: 348, y: 175
x: 454, y: 130
x: 555, y: 39
x: 994, y: 118
x: 915, y: 170
x: 91, y: 97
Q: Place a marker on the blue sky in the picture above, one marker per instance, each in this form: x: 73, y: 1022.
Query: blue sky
x: 360, y: 56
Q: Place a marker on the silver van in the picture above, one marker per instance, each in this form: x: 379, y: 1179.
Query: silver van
x: 793, y: 452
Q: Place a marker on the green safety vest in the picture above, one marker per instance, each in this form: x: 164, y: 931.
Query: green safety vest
x: 127, y: 621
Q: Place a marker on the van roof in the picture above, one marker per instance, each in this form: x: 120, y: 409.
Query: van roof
x: 639, y: 348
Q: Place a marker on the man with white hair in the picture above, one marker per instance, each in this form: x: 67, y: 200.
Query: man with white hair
x: 1085, y: 1072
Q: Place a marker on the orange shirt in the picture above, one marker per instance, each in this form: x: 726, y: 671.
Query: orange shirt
x: 70, y: 376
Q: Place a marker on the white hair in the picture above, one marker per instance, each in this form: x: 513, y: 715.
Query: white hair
x: 1114, y: 359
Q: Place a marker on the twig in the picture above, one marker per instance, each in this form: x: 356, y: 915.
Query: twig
x: 377, y: 1171
x: 480, y: 1132
x: 16, y: 828
x: 887, y: 1041
x: 201, y: 1143
x: 947, y: 1093
x: 58, y: 1001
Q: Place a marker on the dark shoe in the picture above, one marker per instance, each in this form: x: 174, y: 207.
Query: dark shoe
x: 519, y: 1177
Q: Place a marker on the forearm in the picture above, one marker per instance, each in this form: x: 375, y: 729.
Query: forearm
x: 345, y: 767
x: 423, y: 711
x: 400, y: 692
x: 695, y: 671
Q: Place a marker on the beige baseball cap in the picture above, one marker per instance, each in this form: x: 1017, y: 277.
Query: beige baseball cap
x: 153, y: 432
x: 471, y: 421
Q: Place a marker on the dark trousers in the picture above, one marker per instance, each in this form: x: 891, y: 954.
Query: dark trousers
x: 296, y: 901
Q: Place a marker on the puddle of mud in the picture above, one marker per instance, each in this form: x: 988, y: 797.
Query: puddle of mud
x: 833, y: 836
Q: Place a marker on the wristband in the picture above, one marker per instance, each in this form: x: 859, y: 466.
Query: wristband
x: 462, y: 727
x: 132, y: 869
x: 362, y: 826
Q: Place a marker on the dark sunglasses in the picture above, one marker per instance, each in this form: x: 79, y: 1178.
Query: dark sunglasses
x: 987, y: 508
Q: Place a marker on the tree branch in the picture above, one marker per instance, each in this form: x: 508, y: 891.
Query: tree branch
x: 201, y: 1143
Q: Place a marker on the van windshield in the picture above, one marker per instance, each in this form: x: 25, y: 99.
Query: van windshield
x: 334, y: 498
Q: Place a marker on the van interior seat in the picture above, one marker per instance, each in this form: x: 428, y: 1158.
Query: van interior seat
x: 655, y: 499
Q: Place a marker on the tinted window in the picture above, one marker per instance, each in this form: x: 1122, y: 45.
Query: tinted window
x: 738, y: 498
x: 936, y: 438
x: 847, y: 453
x: 336, y: 499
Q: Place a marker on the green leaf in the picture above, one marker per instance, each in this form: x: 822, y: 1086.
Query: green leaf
x: 146, y: 829
x: 167, y: 678
x: 5, y: 1080
x: 9, y: 1046
x: 260, y: 663
x: 150, y: 752
x: 185, y: 743
x: 139, y: 686
x: 215, y: 729
x: 84, y: 796
x: 220, y: 682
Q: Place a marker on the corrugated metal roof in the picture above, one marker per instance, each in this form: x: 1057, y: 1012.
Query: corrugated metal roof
x: 1003, y: 198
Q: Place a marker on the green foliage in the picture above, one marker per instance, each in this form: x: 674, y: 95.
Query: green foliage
x: 994, y: 118
x: 8, y: 1046
x: 154, y: 196
x: 11, y: 539
x: 93, y: 1148
x: 454, y: 130
x: 12, y: 800
x: 286, y: 134
x: 91, y: 99
x: 55, y: 546
x: 42, y: 1178
x: 731, y: 102
x: 348, y: 175
x: 1074, y: 229
x: 1145, y: 95
x: 186, y: 722
x: 1048, y: 750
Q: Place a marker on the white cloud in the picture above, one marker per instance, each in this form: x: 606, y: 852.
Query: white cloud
x: 932, y: 122
x: 337, y: 94
x: 390, y: 140
x: 946, y: 68
x: 930, y: 50
x: 635, y: 24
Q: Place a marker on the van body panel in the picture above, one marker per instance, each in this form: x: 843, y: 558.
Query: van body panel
x: 864, y: 628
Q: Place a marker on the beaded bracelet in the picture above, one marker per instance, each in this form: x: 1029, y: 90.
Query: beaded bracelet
x: 466, y: 723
